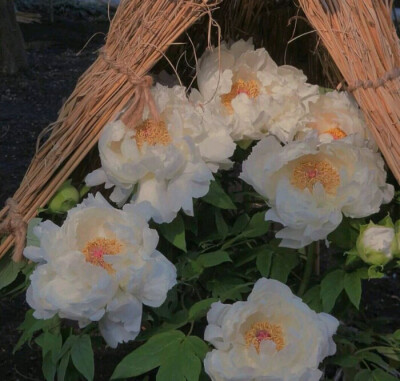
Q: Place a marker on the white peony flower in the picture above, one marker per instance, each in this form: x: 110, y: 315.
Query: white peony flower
x: 170, y: 161
x: 336, y: 115
x: 273, y: 336
x: 100, y: 265
x: 309, y: 185
x: 378, y: 243
x: 250, y: 94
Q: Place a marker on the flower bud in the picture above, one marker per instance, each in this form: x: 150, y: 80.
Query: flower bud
x: 377, y: 243
x: 64, y: 199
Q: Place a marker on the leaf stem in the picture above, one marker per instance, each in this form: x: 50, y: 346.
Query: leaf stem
x: 311, y: 256
x: 381, y: 347
x: 191, y: 328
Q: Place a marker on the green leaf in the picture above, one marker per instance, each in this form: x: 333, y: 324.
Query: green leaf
x: 313, y: 299
x: 148, y: 356
x: 183, y: 360
x: 345, y: 361
x: 198, y: 346
x: 191, y: 224
x: 31, y: 325
x: 174, y: 232
x: 213, y: 259
x: 352, y: 286
x: 363, y: 338
x: 51, y: 344
x: 240, y: 224
x: 179, y: 365
x: 264, y: 261
x: 48, y: 368
x: 82, y: 356
x: 67, y: 345
x: 282, y: 264
x: 62, y: 367
x: 216, y: 196
x: 257, y: 226
x: 396, y: 335
x: 200, y: 309
x: 331, y: 287
x: 191, y: 269
x: 381, y: 375
x: 176, y: 321
x: 248, y: 255
x: 363, y: 375
x: 171, y: 368
x: 222, y: 226
x: 228, y: 287
x: 375, y: 273
x: 31, y: 239
x: 345, y: 235
x: 374, y: 358
x: 9, y: 271
x: 390, y: 353
x: 352, y: 258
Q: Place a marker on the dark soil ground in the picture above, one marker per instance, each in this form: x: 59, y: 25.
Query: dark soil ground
x: 28, y: 103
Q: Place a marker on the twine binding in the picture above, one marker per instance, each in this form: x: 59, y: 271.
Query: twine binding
x: 101, y: 94
x: 14, y: 224
x: 388, y: 76
x: 141, y: 92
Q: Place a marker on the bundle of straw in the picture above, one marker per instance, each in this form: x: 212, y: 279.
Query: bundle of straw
x: 362, y: 40
x: 281, y: 28
x: 140, y: 33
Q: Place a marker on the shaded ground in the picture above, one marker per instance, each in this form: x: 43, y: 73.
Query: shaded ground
x: 28, y: 103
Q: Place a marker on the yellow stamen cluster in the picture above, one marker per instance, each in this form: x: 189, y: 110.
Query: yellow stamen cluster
x: 251, y: 88
x: 264, y: 330
x: 307, y: 173
x: 95, y: 249
x: 337, y: 133
x: 152, y: 132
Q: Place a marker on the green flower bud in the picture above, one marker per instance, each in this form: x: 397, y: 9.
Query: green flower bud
x: 377, y: 243
x: 64, y: 199
x: 84, y: 191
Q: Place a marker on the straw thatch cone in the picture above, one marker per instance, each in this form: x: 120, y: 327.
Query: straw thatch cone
x: 140, y: 33
x: 362, y: 40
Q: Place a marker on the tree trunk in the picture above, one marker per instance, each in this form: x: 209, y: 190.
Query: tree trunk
x: 12, y: 51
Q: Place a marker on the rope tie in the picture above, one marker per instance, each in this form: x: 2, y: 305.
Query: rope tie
x: 141, y: 95
x: 15, y: 225
x: 388, y: 76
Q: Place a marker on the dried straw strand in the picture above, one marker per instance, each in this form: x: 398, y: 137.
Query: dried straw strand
x: 362, y: 40
x: 140, y: 33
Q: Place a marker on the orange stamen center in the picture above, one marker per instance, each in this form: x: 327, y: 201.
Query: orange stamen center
x: 307, y: 173
x: 261, y: 331
x: 152, y: 132
x: 95, y: 250
x: 337, y: 133
x: 250, y: 88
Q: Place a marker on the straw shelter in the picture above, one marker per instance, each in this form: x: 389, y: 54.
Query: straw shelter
x: 359, y: 36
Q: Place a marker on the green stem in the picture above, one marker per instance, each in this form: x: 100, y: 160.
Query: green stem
x: 381, y: 347
x: 190, y: 329
x: 311, y: 255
